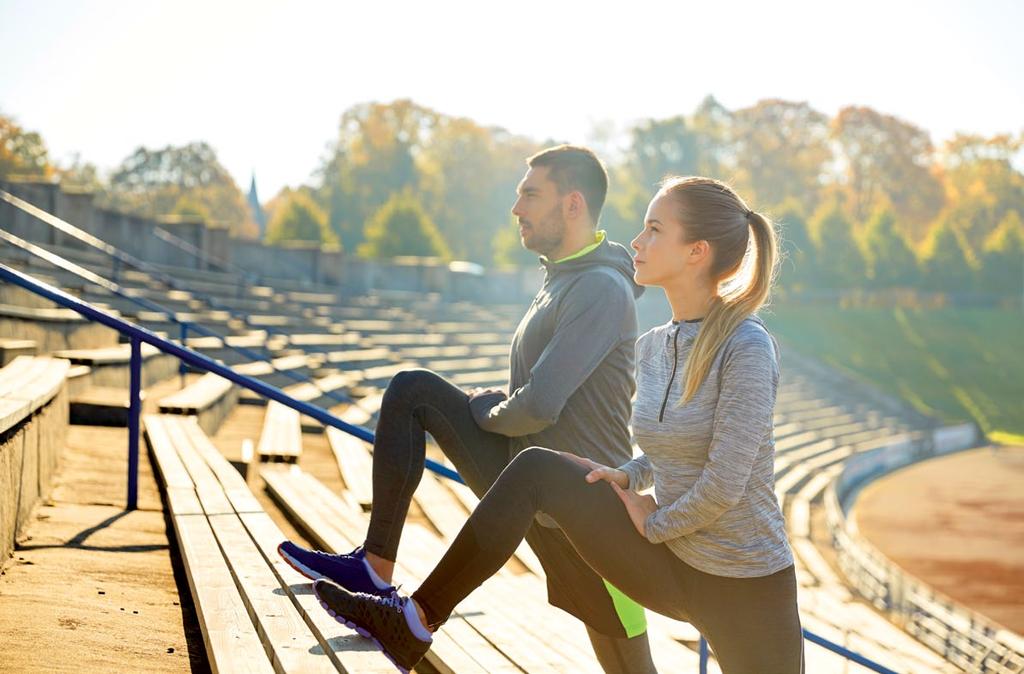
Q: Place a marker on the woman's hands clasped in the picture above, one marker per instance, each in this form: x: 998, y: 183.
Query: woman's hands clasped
x: 639, y: 506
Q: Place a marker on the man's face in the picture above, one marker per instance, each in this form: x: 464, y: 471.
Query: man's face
x: 538, y: 211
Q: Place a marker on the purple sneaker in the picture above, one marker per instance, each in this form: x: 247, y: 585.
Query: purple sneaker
x: 349, y: 570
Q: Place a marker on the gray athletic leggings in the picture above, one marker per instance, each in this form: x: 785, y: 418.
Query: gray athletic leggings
x: 751, y: 624
x: 419, y: 402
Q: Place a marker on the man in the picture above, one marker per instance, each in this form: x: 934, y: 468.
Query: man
x: 570, y: 387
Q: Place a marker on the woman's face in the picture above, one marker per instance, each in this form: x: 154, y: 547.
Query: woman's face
x: 661, y: 248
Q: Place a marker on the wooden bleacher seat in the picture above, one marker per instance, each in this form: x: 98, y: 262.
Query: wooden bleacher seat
x: 281, y: 437
x: 210, y: 399
x: 255, y: 612
x: 111, y: 365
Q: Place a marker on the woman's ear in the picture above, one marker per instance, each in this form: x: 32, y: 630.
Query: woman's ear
x: 699, y: 250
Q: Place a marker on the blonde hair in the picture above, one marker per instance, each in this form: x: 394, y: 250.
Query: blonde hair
x: 710, y: 211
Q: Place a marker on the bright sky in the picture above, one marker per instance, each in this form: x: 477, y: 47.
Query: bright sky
x: 266, y: 82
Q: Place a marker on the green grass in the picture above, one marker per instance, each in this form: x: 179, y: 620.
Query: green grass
x: 955, y: 364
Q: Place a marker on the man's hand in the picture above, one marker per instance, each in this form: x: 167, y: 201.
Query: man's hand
x: 639, y: 507
x: 600, y: 472
x: 479, y: 392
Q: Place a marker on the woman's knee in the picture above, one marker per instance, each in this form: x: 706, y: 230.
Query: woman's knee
x: 412, y: 385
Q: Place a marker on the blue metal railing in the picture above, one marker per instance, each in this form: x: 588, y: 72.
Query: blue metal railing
x: 119, y: 258
x: 138, y: 335
x: 184, y: 326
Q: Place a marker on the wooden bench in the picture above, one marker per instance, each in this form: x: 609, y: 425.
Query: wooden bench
x: 210, y: 399
x: 487, y: 632
x: 281, y: 436
x: 256, y: 613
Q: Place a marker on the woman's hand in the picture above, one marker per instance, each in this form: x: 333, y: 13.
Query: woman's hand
x: 600, y: 472
x: 639, y: 507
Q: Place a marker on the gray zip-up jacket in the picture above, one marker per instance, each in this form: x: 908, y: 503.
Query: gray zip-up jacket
x: 712, y: 460
x: 572, y: 361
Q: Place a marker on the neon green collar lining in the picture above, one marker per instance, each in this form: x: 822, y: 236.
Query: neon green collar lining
x: 598, y: 238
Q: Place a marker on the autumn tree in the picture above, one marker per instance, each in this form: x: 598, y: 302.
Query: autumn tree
x: 22, y: 152
x: 178, y: 180
x: 887, y: 163
x: 781, y: 151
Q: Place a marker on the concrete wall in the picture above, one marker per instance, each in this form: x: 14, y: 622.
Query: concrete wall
x: 301, y: 264
x: 29, y: 454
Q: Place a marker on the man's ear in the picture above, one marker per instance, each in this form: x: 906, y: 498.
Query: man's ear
x: 576, y: 206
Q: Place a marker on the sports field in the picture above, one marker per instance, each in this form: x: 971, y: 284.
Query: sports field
x: 956, y: 364
x: 957, y: 523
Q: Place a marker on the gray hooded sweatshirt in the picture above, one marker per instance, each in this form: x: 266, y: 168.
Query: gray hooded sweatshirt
x: 572, y: 361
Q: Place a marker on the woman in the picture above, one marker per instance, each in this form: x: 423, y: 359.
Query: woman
x: 711, y: 548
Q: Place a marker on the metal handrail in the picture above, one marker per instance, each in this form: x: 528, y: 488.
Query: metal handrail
x: 138, y: 335
x: 185, y: 326
x: 121, y: 257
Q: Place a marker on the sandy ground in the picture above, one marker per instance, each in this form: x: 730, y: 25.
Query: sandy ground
x: 91, y: 587
x: 957, y: 523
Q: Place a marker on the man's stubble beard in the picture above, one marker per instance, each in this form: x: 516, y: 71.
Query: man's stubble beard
x: 547, y: 235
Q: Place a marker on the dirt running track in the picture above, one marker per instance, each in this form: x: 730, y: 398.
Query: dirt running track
x: 957, y: 523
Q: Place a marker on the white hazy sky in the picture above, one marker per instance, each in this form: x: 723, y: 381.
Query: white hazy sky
x: 266, y: 82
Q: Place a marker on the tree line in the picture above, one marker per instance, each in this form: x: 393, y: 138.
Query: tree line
x: 863, y: 199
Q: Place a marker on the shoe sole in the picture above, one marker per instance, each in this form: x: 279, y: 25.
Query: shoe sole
x: 361, y: 631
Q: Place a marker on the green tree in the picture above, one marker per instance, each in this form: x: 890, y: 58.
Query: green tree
x: 838, y: 258
x: 890, y: 260
x: 944, y: 260
x: 1002, y: 261
x: 22, y: 152
x: 402, y: 227
x: 299, y: 218
x: 798, y: 257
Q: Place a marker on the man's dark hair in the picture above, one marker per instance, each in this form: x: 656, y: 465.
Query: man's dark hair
x: 571, y: 168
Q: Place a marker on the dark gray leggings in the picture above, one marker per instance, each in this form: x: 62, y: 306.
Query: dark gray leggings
x: 751, y: 624
x: 419, y: 402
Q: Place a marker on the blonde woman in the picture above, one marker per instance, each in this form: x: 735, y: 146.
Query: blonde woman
x: 710, y: 547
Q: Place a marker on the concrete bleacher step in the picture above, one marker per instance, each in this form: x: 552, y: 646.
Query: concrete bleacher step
x: 101, y: 406
x: 256, y: 614
x: 280, y: 371
x: 12, y: 348
x: 110, y: 366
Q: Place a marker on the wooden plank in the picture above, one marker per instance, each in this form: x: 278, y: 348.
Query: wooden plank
x: 281, y: 436
x: 503, y: 621
x: 12, y: 412
x: 355, y: 464
x: 234, y: 485
x: 348, y: 651
x: 285, y: 635
x: 169, y: 466
x: 208, y: 488
x: 232, y: 643
x: 302, y: 497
